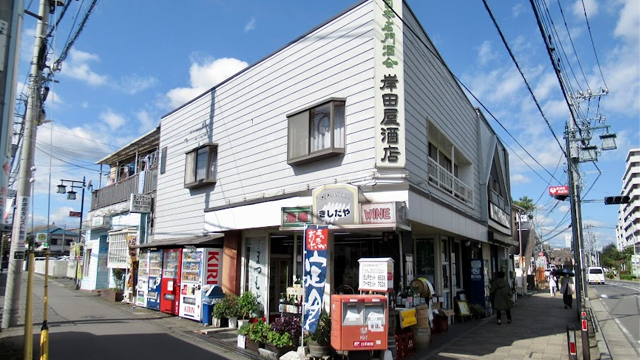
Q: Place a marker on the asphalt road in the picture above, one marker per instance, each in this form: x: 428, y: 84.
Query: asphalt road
x: 82, y: 327
x: 622, y: 301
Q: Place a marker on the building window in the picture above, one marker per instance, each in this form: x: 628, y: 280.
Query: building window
x: 316, y: 133
x: 163, y: 160
x: 201, y: 166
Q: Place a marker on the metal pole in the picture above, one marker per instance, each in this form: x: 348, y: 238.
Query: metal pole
x: 28, y: 317
x: 12, y: 294
x: 80, y: 232
x: 44, y: 330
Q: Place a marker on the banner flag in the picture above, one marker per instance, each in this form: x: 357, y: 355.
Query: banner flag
x: 316, y: 250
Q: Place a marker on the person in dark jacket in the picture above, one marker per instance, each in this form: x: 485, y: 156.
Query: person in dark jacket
x: 502, y: 297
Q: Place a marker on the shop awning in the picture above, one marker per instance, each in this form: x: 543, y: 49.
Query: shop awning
x: 211, y: 240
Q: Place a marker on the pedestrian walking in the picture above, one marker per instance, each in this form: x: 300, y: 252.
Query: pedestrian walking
x: 566, y: 288
x: 501, y: 296
x: 553, y: 285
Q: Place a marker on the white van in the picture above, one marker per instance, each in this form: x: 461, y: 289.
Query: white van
x: 596, y: 275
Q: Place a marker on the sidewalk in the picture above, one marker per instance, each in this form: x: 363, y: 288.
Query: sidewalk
x: 538, y: 330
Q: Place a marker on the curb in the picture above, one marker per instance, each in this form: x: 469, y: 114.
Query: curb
x: 601, y: 344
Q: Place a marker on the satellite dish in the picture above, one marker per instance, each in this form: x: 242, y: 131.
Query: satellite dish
x: 89, y: 186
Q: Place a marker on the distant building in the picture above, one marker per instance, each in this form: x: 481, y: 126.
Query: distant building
x: 628, y: 228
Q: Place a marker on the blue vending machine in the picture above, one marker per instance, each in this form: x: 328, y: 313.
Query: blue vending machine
x: 155, y: 279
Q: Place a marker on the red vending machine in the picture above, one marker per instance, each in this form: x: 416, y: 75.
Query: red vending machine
x: 170, y: 292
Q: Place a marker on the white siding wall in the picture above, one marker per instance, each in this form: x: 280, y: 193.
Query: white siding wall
x: 246, y: 117
x: 432, y: 94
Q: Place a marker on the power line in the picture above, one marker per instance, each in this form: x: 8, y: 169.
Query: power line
x: 408, y: 26
x: 586, y: 18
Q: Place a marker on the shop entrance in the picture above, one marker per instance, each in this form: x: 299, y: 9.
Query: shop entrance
x: 280, y: 278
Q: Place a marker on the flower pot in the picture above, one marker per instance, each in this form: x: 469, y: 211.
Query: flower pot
x: 253, y: 346
x: 242, y: 341
x: 233, y: 323
x: 279, y: 351
x: 319, y: 350
x: 215, y: 322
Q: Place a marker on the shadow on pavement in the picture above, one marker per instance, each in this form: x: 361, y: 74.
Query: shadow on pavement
x: 82, y: 345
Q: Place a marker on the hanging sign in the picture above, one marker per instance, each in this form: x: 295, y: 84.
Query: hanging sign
x: 316, y: 249
x: 335, y: 205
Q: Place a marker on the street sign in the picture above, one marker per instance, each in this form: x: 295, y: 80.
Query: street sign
x: 42, y: 237
x: 74, y: 213
x: 18, y: 255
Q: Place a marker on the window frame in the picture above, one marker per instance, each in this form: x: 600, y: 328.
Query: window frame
x: 330, y: 151
x: 211, y: 172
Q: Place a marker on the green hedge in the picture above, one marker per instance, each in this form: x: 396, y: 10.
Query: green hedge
x: 628, y: 277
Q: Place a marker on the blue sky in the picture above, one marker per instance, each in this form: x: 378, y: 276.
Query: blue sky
x: 137, y: 60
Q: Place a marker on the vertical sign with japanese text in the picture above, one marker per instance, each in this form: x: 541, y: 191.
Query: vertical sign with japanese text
x: 23, y: 213
x: 389, y: 84
x: 316, y: 250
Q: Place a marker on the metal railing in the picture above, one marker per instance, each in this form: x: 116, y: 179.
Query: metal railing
x: 122, y: 190
x: 439, y: 176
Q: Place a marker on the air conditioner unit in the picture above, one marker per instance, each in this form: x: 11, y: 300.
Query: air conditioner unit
x: 101, y: 222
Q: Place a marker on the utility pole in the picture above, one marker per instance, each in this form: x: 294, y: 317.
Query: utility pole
x: 33, y: 117
x: 10, y: 34
x: 573, y: 160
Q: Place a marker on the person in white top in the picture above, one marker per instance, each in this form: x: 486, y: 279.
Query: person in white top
x: 553, y: 284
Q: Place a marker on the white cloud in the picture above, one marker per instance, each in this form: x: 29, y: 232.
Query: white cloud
x: 77, y: 67
x: 545, y: 86
x: 520, y: 179
x: 629, y: 22
x: 147, y: 121
x: 590, y: 5
x: 133, y: 84
x: 250, y: 25
x: 517, y: 10
x: 112, y: 119
x: 485, y: 53
x: 203, y: 76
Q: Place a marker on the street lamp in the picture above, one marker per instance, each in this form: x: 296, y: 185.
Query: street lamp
x: 71, y: 195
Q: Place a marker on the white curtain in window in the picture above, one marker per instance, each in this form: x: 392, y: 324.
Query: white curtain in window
x: 201, y: 164
x: 213, y: 163
x: 321, y: 128
x: 189, y: 170
x: 338, y: 123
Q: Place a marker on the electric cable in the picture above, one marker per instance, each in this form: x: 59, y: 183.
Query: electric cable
x: 407, y: 26
x: 586, y: 18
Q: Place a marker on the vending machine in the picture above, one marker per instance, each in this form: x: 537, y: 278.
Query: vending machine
x: 155, y: 279
x: 170, y: 281
x: 200, y: 267
x: 143, y: 278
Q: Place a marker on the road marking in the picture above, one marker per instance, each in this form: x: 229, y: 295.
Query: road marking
x: 604, y: 296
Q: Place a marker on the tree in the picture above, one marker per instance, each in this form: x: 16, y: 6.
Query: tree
x: 613, y: 258
x: 527, y: 204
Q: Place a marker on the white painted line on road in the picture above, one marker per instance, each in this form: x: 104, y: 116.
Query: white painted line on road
x: 604, y: 296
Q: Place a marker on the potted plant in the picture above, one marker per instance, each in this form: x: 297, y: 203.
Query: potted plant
x: 249, y: 305
x: 257, y: 334
x: 242, y: 335
x: 279, y: 343
x: 229, y: 308
x: 477, y: 311
x: 319, y: 342
x: 288, y: 324
x: 219, y: 315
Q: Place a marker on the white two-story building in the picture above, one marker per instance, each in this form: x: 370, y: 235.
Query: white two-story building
x: 357, y: 124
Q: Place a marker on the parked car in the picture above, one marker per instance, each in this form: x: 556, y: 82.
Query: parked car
x: 596, y: 275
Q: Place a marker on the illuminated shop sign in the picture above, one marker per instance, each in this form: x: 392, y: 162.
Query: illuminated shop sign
x: 335, y: 205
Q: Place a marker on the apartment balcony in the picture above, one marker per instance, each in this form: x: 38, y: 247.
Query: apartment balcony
x: 445, y: 180
x: 122, y: 190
